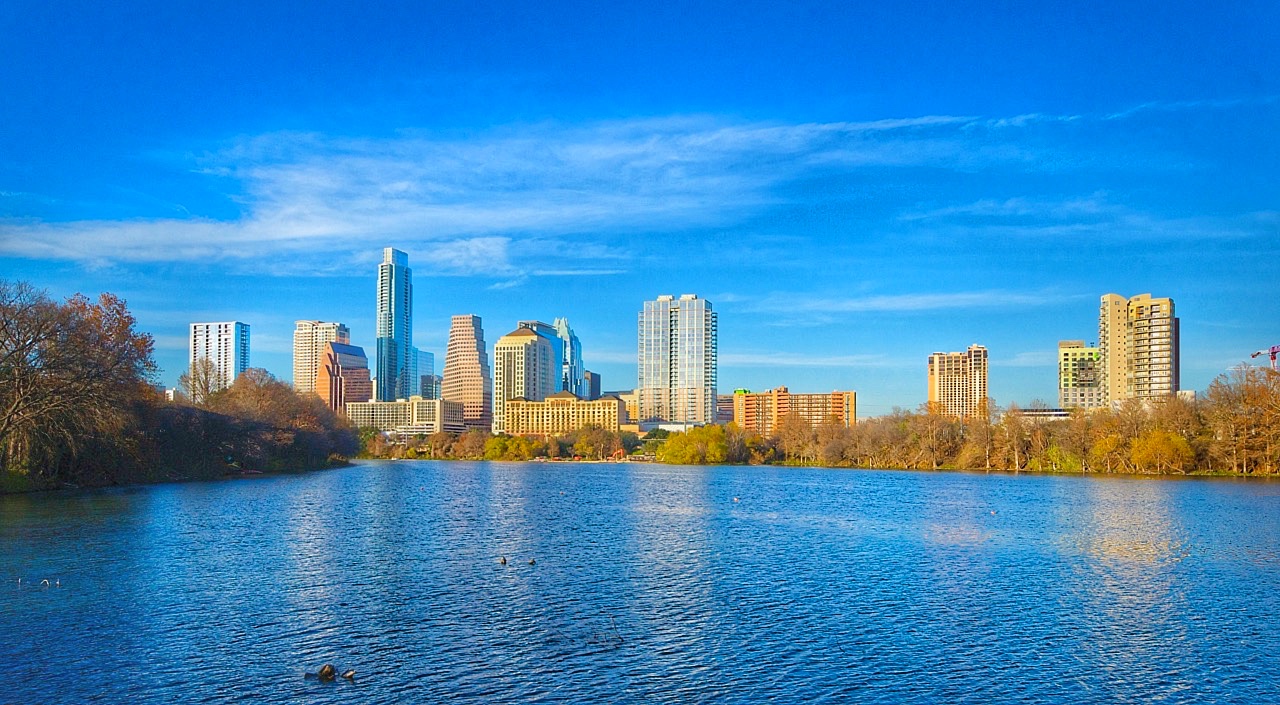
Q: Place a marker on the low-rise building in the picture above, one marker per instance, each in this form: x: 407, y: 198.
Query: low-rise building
x: 563, y: 412
x: 761, y: 412
x: 414, y: 415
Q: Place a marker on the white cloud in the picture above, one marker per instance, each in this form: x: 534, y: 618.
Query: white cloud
x: 471, y: 204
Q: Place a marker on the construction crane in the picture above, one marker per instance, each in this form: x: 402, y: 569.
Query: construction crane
x: 1274, y: 350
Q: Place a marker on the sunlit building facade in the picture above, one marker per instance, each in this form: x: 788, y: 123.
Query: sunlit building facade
x: 225, y: 345
x: 309, y: 340
x: 561, y: 413
x: 761, y: 412
x: 412, y: 416
x: 524, y: 366
x: 958, y: 382
x: 677, y: 360
x: 466, y: 376
x: 1138, y: 345
x: 343, y: 376
x: 1079, y: 376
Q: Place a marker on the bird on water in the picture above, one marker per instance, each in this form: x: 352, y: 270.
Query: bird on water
x: 502, y: 560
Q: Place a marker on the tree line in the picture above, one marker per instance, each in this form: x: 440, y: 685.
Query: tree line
x: 1234, y: 428
x: 78, y: 407
x: 588, y: 443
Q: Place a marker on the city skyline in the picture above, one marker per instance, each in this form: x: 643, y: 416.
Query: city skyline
x: 854, y: 187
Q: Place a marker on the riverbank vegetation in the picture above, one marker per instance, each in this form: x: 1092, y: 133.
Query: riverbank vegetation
x: 77, y: 406
x: 590, y: 443
x: 1234, y: 429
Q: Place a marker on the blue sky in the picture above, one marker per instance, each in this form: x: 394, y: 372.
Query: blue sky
x: 853, y: 186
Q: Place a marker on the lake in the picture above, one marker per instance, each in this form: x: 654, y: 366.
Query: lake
x: 637, y: 583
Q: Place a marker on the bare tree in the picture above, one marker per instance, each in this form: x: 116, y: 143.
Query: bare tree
x: 200, y: 381
x: 66, y: 371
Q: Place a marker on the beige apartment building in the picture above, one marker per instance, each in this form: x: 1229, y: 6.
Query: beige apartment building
x: 958, y: 381
x: 309, y: 340
x: 465, y: 378
x: 1079, y: 376
x: 563, y: 412
x: 762, y: 411
x: 414, y: 415
x: 1138, y: 347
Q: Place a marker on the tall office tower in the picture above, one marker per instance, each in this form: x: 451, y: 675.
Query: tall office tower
x: 572, y: 375
x: 524, y: 367
x: 226, y: 345
x: 466, y: 372
x: 343, y: 376
x: 309, y: 339
x: 395, y: 326
x: 423, y: 372
x: 677, y: 360
x: 1079, y: 375
x: 958, y: 381
x: 568, y: 352
x: 1138, y: 345
x: 590, y: 385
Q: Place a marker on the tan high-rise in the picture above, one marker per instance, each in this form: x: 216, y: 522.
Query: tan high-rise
x: 466, y: 372
x: 958, y: 381
x: 1138, y: 346
x: 524, y: 366
x: 309, y: 339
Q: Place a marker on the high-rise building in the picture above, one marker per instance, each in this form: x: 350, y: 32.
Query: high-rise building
x: 568, y: 353
x: 524, y: 366
x: 1079, y: 375
x: 423, y: 374
x: 1138, y: 347
x: 466, y: 372
x: 226, y: 345
x: 958, y: 381
x: 677, y: 360
x: 591, y: 384
x: 395, y: 326
x: 761, y: 412
x: 343, y: 376
x: 309, y: 339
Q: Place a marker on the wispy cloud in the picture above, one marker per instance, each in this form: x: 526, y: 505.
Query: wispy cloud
x: 783, y: 359
x: 478, y: 204
x: 1039, y: 358
x: 904, y: 302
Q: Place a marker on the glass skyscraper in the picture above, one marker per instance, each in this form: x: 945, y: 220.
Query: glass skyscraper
x: 677, y: 361
x: 396, y: 356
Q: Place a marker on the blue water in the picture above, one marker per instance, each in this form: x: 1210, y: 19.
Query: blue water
x: 652, y: 584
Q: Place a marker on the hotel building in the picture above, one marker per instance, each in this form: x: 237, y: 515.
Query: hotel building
x: 524, y: 366
x: 761, y: 412
x: 677, y: 361
x: 224, y: 344
x: 343, y: 376
x: 465, y: 378
x: 1079, y: 376
x: 1138, y: 341
x: 396, y: 355
x: 412, y: 416
x: 309, y: 340
x: 958, y: 381
x: 562, y: 413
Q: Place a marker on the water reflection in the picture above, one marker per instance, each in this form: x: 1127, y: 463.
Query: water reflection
x: 652, y: 584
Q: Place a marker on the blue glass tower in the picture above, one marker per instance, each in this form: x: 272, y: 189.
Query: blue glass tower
x: 395, y: 327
